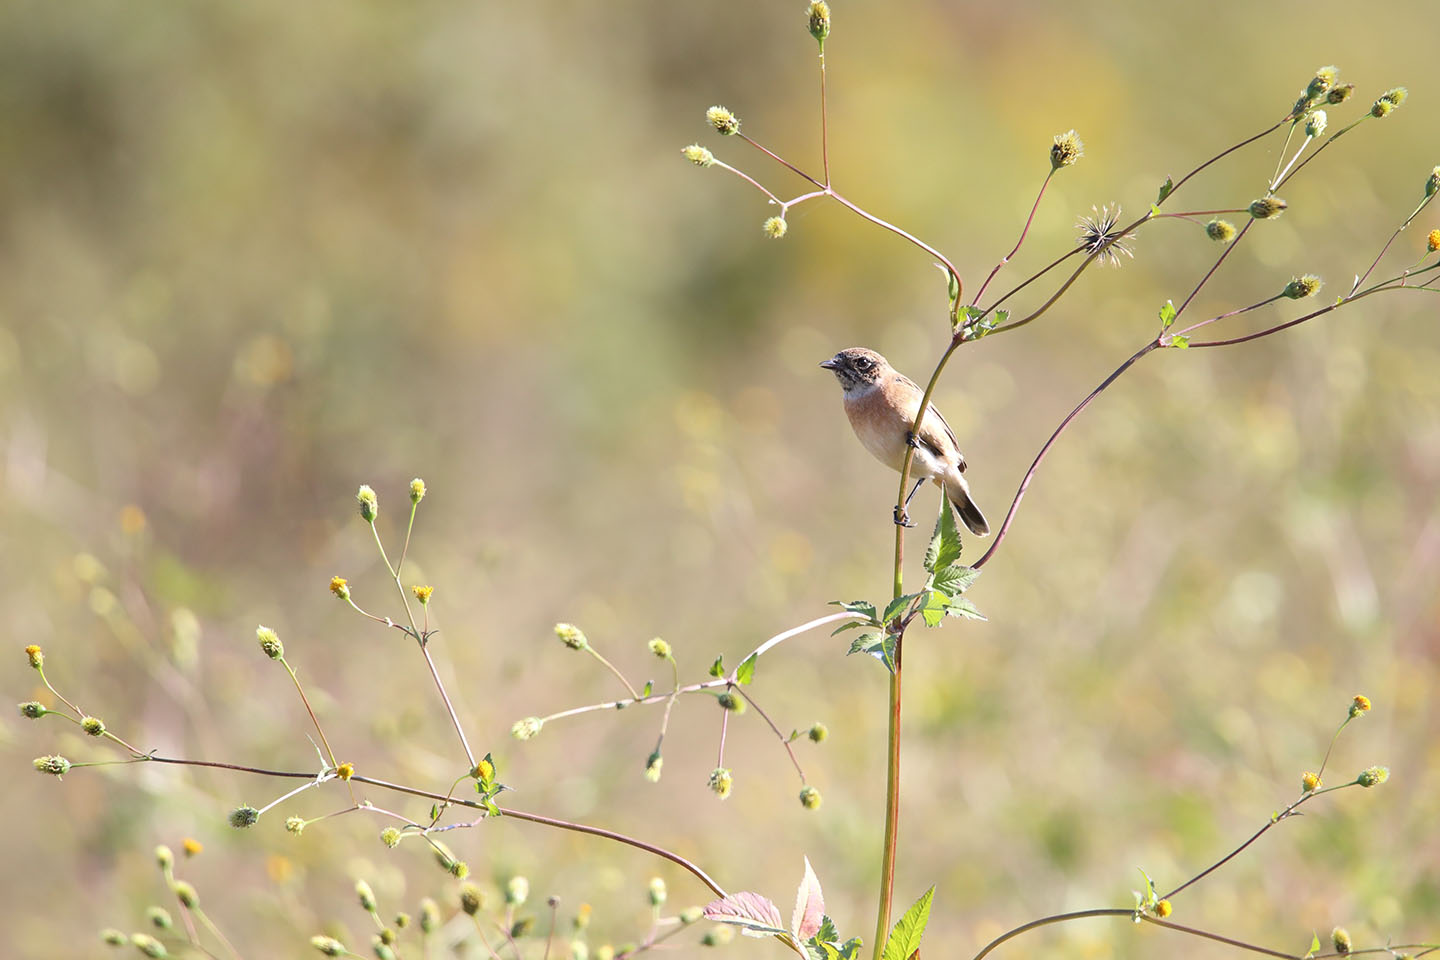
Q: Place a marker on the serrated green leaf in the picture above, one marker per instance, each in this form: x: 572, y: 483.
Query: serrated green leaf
x: 871, y: 643
x: 717, y: 669
x: 905, y: 937
x: 746, y: 671
x: 934, y: 609
x: 895, y: 607
x: 862, y: 607
x: 827, y: 932
x: 960, y: 607
x: 491, y: 808
x: 944, y: 546
x: 1165, y: 189
x: 851, y: 948
x: 1167, y: 315
x: 853, y: 625
x: 955, y: 579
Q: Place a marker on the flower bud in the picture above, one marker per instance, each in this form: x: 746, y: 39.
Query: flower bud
x: 159, y: 918
x: 56, y: 766
x: 1432, y: 184
x: 723, y: 120
x: 1373, y: 776
x: 721, y: 782
x: 1359, y: 705
x: 728, y: 701
x: 517, y: 891
x: 340, y: 587
x: 775, y: 227
x: 1066, y: 149
x: 186, y: 894
x: 1340, y: 94
x: 653, y: 765
x: 390, y: 836
x: 660, y: 648
x: 164, y: 857
x: 148, y: 945
x: 365, y: 895
x: 571, y: 635
x: 1340, y: 937
x: 244, y: 816
x: 33, y: 709
x: 691, y: 915
x: 328, y: 946
x: 698, y: 155
x: 417, y: 490
x: 810, y: 798
x: 1432, y: 241
x: 270, y: 644
x: 93, y: 726
x: 472, y: 898
x: 1321, y: 83
x: 429, y: 915
x: 819, y: 20
x: 1315, y: 123
x: 369, y: 503
x: 113, y: 937
x: 1267, y: 208
x: 527, y: 728
x: 818, y: 733
x: 657, y: 891
x: 1309, y: 782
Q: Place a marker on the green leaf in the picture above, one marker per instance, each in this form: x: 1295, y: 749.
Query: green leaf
x: 871, y: 643
x: 852, y: 625
x: 905, y: 938
x: 746, y: 671
x: 1154, y: 210
x: 960, y: 607
x: 1314, y: 945
x: 1167, y: 315
x: 944, y: 546
x: 862, y: 607
x: 717, y: 669
x: 952, y: 285
x: 434, y: 812
x: 851, y: 948
x: 827, y: 932
x: 1150, y: 895
x: 934, y: 609
x: 491, y: 808
x: 1165, y: 189
x: 896, y: 606
x: 649, y: 686
x: 1180, y: 343
x: 955, y: 579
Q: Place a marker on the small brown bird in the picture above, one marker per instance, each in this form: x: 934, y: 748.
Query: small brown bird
x: 881, y: 404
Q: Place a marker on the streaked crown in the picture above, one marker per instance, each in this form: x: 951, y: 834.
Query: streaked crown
x: 856, y: 367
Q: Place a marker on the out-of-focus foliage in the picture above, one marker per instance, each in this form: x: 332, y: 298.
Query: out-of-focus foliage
x: 254, y: 254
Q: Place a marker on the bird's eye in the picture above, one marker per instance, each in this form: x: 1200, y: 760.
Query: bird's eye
x: 863, y: 363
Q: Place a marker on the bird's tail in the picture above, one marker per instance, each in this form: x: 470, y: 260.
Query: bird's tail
x: 959, y: 493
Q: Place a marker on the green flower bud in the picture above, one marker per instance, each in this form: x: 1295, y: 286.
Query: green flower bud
x: 1222, y: 231
x: 93, y: 726
x: 1315, y: 123
x: 369, y: 503
x: 295, y: 825
x: 819, y: 20
x: 113, y: 937
x: 775, y: 227
x: 653, y: 765
x: 1322, y: 82
x: 657, y: 891
x: 1340, y: 937
x: 164, y: 857
x: 527, y: 728
x: 185, y: 893
x: 1267, y: 208
x: 365, y: 895
x: 691, y: 915
x: 390, y: 836
x: 810, y: 798
x: 472, y: 898
x: 417, y: 490
x: 243, y: 816
x: 270, y: 643
x: 729, y: 701
x: 329, y: 946
x: 33, y: 709
x: 517, y: 891
x: 429, y: 916
x: 148, y: 945
x: 721, y: 782
x: 698, y: 155
x: 1301, y: 287
x: 660, y: 648
x: 572, y: 636
x: 1373, y: 776
x: 56, y: 766
x: 723, y: 120
x: 159, y: 918
x: 1433, y: 183
x: 818, y: 733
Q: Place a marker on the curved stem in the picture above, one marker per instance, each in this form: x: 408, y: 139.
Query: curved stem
x: 1023, y: 232
x: 784, y: 741
x: 1045, y: 922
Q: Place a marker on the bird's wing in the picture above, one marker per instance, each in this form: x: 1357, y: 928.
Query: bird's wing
x: 929, y: 435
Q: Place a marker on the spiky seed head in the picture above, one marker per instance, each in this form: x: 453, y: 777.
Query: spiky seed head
x: 148, y: 945
x: 1373, y: 776
x: 54, y: 765
x: 1359, y: 705
x: 186, y: 894
x: 1340, y: 937
x: 660, y: 648
x: 390, y: 836
x: 164, y: 857
x: 340, y: 587
x: 429, y: 915
x: 653, y: 765
x: 93, y: 726
x: 774, y: 227
x: 243, y: 816
x: 369, y: 503
x: 269, y: 641
x: 1067, y: 148
x: 113, y: 937
x: 818, y: 733
x: 723, y: 120
x: 417, y: 490
x: 1309, y: 782
x: 1315, y: 123
x: 33, y: 709
x: 527, y: 728
x: 1301, y: 287
x: 35, y: 655
x: 423, y: 593
x: 657, y: 891
x: 1267, y: 208
x: 1340, y: 93
x: 159, y: 918
x: 810, y: 798
x: 572, y: 636
x: 517, y: 891
x: 328, y: 946
x: 472, y: 898
x: 1221, y: 231
x: 698, y: 155
x: 721, y: 782
x: 819, y: 20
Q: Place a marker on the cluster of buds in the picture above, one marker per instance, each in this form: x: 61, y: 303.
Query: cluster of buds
x: 1388, y: 102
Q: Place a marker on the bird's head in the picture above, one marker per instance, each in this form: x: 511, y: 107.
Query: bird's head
x: 856, y: 367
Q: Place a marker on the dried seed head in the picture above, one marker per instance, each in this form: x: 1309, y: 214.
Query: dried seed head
x: 93, y: 726
x: 1267, y: 208
x: 1340, y: 94
x: 1321, y: 83
x: 1301, y: 287
x: 723, y: 120
x: 1066, y: 149
x: 1222, y: 231
x: 33, y: 709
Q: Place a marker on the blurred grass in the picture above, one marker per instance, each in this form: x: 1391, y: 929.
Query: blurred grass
x: 256, y: 255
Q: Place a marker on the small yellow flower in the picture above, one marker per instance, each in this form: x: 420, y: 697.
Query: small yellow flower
x: 191, y: 846
x: 345, y: 771
x: 295, y: 825
x: 36, y: 655
x: 422, y: 593
x: 417, y: 490
x: 1066, y: 149
x: 1432, y: 241
x: 775, y: 227
x: 340, y: 587
x: 1163, y: 909
x: 723, y: 120
x: 698, y: 155
x: 660, y: 648
x: 721, y: 782
x: 1361, y: 704
x: 819, y: 20
x: 484, y: 770
x: 1309, y: 782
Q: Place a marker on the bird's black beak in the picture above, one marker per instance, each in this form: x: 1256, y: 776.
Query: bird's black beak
x: 830, y: 364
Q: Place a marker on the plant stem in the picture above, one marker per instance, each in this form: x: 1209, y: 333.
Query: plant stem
x: 1025, y: 230
x: 635, y: 694
x: 892, y: 807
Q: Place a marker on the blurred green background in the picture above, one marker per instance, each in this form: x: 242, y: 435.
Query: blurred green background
x: 253, y: 255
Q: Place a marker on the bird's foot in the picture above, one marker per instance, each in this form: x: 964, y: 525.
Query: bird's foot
x: 911, y: 440
x: 902, y: 518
